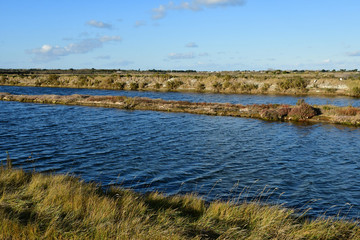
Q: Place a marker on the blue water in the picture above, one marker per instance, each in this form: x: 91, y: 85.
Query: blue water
x: 192, y: 97
x: 302, y: 166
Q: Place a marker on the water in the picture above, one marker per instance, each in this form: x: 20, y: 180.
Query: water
x: 313, y: 166
x: 192, y: 97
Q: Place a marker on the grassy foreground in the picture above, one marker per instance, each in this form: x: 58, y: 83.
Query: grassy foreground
x: 39, y: 206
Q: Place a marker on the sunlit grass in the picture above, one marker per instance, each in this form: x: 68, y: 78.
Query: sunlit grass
x: 35, y: 206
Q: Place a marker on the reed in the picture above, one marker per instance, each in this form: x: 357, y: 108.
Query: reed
x: 39, y: 206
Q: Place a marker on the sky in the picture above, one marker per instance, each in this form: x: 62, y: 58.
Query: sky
x: 202, y: 35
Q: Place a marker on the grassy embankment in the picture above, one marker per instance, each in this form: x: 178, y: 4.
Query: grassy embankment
x: 39, y: 206
x: 274, y: 112
x: 262, y: 82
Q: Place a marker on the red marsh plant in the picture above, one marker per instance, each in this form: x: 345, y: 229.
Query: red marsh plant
x: 275, y: 114
x: 302, y: 111
x: 348, y: 111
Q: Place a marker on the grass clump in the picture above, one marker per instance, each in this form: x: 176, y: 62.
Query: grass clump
x: 302, y: 111
x: 295, y: 83
x: 355, y: 92
x: 38, y: 206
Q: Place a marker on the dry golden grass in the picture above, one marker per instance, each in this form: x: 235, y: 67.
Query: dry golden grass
x: 250, y: 82
x: 38, y: 206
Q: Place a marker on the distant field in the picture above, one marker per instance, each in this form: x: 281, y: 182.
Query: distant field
x: 328, y: 83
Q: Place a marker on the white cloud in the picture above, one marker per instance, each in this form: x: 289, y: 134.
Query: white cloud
x: 204, y: 54
x: 181, y: 56
x: 139, y: 23
x: 110, y: 38
x: 327, y: 61
x: 99, y: 24
x: 103, y: 57
x: 193, y: 5
x: 219, y: 2
x: 191, y: 45
x: 354, y: 54
x: 159, y: 12
x: 48, y: 52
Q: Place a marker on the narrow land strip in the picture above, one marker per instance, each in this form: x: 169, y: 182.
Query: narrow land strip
x: 274, y: 112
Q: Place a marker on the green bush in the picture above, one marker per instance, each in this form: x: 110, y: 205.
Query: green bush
x: 247, y: 87
x: 296, y: 83
x: 3, y: 79
x: 53, y: 79
x: 82, y: 80
x: 173, y: 84
x: 265, y: 87
x: 158, y: 85
x: 121, y: 85
x: 217, y: 86
x: 200, y: 87
x: 355, y: 92
x: 134, y: 86
x: 226, y: 84
x: 144, y: 85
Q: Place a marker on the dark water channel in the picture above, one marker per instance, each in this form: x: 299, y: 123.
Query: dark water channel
x: 315, y: 166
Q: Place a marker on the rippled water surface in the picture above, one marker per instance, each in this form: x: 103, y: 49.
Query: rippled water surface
x: 192, y: 97
x: 315, y: 166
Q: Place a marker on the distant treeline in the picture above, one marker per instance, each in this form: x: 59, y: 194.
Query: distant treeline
x: 83, y: 71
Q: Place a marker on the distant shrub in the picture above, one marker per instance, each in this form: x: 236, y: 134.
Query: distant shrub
x: 173, y: 84
x: 348, y: 111
x: 331, y: 90
x: 227, y: 77
x: 302, y: 112
x: 275, y: 114
x: 270, y: 114
x: 355, y: 91
x: 296, y: 83
x: 53, y: 79
x: 283, y: 111
x: 300, y: 101
x: 121, y: 85
x: 200, y: 87
x: 226, y: 84
x: 158, y: 85
x: 134, y: 86
x: 82, y: 80
x: 3, y: 79
x: 217, y: 86
x: 144, y: 84
x: 265, y: 87
x: 247, y: 87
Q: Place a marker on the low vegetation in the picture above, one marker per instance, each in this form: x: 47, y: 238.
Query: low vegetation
x: 39, y: 206
x: 322, y: 82
x: 275, y: 112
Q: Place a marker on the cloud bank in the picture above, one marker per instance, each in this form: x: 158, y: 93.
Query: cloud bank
x: 49, y: 53
x: 98, y: 24
x: 354, y: 54
x: 194, y: 5
x: 174, y: 56
x: 189, y: 55
x: 191, y: 45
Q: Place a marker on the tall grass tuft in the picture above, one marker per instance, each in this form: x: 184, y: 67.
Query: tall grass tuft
x: 38, y: 206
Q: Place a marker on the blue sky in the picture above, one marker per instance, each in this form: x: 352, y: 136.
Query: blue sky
x: 203, y: 35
